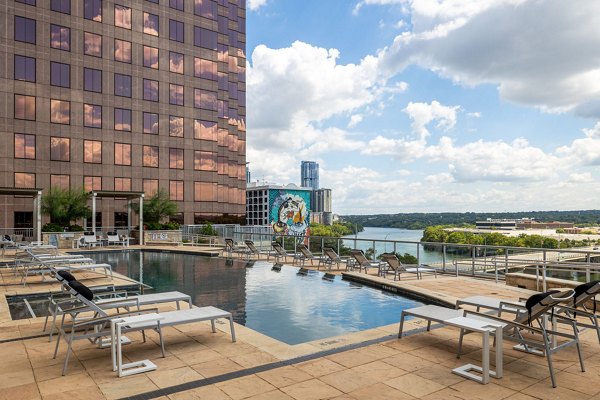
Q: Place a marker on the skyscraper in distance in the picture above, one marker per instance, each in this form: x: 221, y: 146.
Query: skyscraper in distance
x: 309, y: 174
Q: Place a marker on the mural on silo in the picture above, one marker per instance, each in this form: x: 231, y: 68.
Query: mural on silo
x: 289, y: 212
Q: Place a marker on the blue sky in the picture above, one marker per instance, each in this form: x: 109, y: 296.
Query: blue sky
x: 428, y: 105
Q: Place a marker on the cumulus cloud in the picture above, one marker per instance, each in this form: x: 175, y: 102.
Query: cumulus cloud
x: 362, y: 3
x: 422, y: 114
x: 254, y: 5
x: 585, y: 177
x: 355, y: 120
x: 584, y: 150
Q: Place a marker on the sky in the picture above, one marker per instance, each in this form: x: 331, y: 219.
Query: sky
x: 428, y: 105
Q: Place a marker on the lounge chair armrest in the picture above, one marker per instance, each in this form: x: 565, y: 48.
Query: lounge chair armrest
x: 506, y: 321
x: 100, y: 320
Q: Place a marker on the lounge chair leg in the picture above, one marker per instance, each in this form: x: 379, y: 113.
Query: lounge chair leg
x: 212, y: 323
x: 428, y: 325
x: 401, y: 327
x: 577, y: 344
x: 595, y: 318
x: 143, y: 336
x: 460, y: 343
x: 160, y: 337
x: 56, y: 347
x: 233, y: 339
x: 64, y: 371
x: 550, y: 367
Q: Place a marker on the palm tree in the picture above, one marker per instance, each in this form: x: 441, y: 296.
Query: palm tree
x: 157, y: 207
x: 65, y: 205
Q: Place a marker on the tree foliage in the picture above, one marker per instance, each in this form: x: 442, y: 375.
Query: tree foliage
x: 64, y: 206
x: 157, y: 207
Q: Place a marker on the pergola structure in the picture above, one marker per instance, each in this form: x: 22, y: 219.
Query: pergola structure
x: 37, y: 205
x: 120, y: 195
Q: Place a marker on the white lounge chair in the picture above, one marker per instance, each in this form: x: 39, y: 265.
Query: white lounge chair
x: 362, y: 262
x: 394, y: 266
x: 114, y: 239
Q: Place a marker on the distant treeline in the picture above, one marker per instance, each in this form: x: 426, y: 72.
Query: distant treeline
x: 423, y: 220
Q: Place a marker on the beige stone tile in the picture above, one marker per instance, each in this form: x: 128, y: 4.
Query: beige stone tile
x: 202, y: 393
x: 313, y: 389
x: 55, y: 371
x: 320, y: 367
x: 90, y: 393
x: 16, y: 377
x: 520, y: 396
x: 414, y: 385
x: 274, y: 395
x: 193, y: 357
x: 440, y: 374
x: 532, y: 370
x: 348, y: 380
x: 28, y: 391
x: 229, y: 349
x: 253, y: 359
x: 352, y: 358
x: 57, y: 385
x: 246, y: 386
x: 446, y: 394
x: 172, y: 377
x: 474, y: 390
x: 128, y: 386
x: 379, y: 391
x: 408, y: 362
x: 285, y: 376
x: 216, y: 367
x: 379, y: 371
x: 544, y: 390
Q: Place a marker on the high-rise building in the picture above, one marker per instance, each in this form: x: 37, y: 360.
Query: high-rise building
x: 124, y: 96
x: 321, y: 200
x: 309, y: 174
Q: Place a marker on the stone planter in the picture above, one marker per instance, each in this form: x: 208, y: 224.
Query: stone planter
x: 162, y: 237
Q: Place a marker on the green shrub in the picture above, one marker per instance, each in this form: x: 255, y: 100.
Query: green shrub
x: 50, y: 227
x: 76, y: 228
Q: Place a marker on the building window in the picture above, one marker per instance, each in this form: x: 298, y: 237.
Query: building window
x: 176, y: 190
x: 92, y: 9
x: 92, y: 151
x: 24, y: 30
x: 92, y: 116
x: 61, y: 6
x: 60, y: 112
x: 60, y: 37
x: 60, y: 74
x: 122, y: 119
x: 24, y: 146
x: 122, y: 85
x: 153, y: 1
x: 176, y: 94
x: 205, y: 161
x: 150, y: 187
x: 60, y: 149
x: 23, y: 219
x: 122, y: 51
x: 92, y: 183
x: 205, y: 38
x: 24, y: 180
x: 175, y: 126
x: 205, y: 100
x: 205, y: 8
x: 151, y: 24
x: 151, y: 123
x: 205, y: 130
x: 176, y: 158
x: 205, y: 69
x: 30, y: 2
x: 205, y: 191
x: 150, y: 90
x: 150, y: 57
x: 122, y: 154
x: 120, y: 217
x: 59, y: 181
x: 122, y: 185
x: 176, y: 62
x: 24, y: 107
x: 150, y: 158
x: 24, y: 68
x: 92, y: 44
x: 92, y: 80
x: 122, y: 16
x: 176, y: 30
x: 176, y: 4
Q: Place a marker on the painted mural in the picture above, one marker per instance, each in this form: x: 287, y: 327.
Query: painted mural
x: 289, y: 212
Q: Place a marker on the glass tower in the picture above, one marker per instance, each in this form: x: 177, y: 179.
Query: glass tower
x: 309, y: 174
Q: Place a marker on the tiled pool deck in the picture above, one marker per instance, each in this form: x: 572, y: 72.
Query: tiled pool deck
x: 371, y: 364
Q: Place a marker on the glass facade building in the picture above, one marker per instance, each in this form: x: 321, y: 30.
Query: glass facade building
x: 309, y: 174
x: 133, y: 95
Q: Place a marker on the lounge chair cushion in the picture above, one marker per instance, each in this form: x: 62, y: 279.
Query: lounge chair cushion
x: 66, y: 276
x: 82, y: 290
x: 537, y: 299
x: 586, y: 289
x: 7, y: 238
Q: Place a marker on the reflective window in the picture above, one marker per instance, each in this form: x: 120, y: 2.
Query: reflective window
x: 205, y: 8
x: 205, y: 69
x: 150, y: 186
x: 60, y: 111
x: 176, y: 190
x: 24, y: 180
x: 59, y: 181
x: 122, y: 85
x: 123, y: 184
x: 122, y: 51
x: 92, y: 44
x: 92, y: 183
x: 62, y: 6
x: 60, y: 74
x: 150, y: 158
x: 122, y: 154
x: 150, y: 57
x: 150, y: 90
x: 122, y: 119
x: 24, y: 146
x: 205, y: 191
x: 205, y: 161
x: 205, y: 100
x: 92, y: 116
x: 176, y: 30
x: 92, y: 151
x: 30, y: 2
x: 151, y: 24
x: 24, y: 30
x: 205, y: 38
x: 153, y: 1
x: 122, y: 16
x: 60, y: 37
x: 151, y: 123
x: 24, y: 107
x: 92, y: 9
x: 24, y: 68
x: 176, y: 62
x: 206, y: 130
x: 176, y: 4
x: 176, y: 94
x: 92, y: 80
x: 176, y: 158
x: 60, y: 149
x: 175, y: 126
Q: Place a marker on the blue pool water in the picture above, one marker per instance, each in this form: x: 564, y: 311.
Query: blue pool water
x: 286, y: 306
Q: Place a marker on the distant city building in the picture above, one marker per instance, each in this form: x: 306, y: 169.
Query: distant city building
x: 248, y: 176
x: 309, y: 174
x: 321, y: 200
x: 496, y: 224
x: 523, y: 223
x: 530, y: 224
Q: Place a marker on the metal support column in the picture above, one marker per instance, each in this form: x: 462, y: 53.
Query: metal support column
x: 94, y: 212
x: 141, y: 219
x: 37, y: 201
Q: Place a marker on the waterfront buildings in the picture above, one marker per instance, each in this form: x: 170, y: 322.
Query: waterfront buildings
x: 522, y: 223
x: 124, y: 96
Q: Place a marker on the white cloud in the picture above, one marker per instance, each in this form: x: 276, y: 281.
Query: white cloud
x: 362, y: 3
x: 585, y: 150
x: 476, y: 114
x: 400, y: 24
x: 422, y: 114
x: 585, y: 177
x: 254, y: 5
x: 355, y: 120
